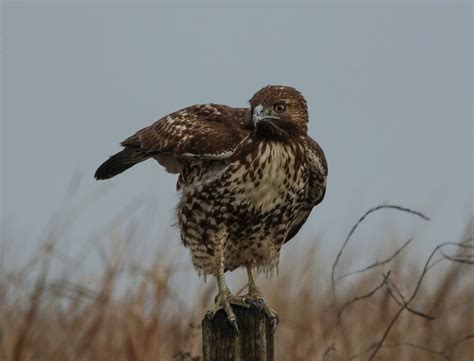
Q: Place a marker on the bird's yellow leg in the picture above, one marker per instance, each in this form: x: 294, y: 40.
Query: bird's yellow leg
x: 254, y: 289
x: 255, y: 297
x: 225, y: 299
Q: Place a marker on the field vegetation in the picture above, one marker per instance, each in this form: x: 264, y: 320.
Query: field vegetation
x: 391, y: 309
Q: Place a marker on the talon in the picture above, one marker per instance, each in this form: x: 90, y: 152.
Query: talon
x: 256, y: 300
x: 224, y: 301
x: 209, y: 315
x: 261, y: 306
x: 274, y: 321
x: 258, y: 303
x: 235, y: 326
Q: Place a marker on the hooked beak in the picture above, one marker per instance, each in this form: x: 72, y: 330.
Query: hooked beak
x: 260, y: 114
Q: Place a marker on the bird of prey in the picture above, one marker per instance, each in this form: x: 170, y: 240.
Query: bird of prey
x: 248, y: 178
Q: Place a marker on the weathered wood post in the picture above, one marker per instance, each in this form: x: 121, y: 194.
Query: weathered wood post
x: 220, y: 341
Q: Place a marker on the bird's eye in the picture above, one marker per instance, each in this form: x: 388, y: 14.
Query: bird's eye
x: 279, y: 108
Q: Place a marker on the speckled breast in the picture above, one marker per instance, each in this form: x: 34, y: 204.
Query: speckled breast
x: 246, y: 208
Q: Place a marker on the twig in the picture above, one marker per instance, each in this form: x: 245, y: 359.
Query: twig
x: 358, y: 298
x: 465, y: 338
x: 348, y: 237
x: 469, y: 259
x: 377, y: 263
x: 353, y: 357
x: 411, y: 298
x: 361, y: 219
x: 400, y: 303
x: 328, y: 351
x: 465, y: 244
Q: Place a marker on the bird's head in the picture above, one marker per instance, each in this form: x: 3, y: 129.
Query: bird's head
x: 279, y: 112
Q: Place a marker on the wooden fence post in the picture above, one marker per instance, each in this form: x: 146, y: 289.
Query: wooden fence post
x: 220, y: 342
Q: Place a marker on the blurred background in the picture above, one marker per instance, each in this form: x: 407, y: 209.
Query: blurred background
x: 389, y: 89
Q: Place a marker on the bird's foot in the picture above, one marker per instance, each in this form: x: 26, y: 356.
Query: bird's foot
x: 259, y: 303
x: 224, y: 301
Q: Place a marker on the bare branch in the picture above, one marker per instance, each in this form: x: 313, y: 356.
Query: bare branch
x: 377, y: 263
x: 413, y: 295
x: 465, y: 245
x: 348, y: 237
x: 328, y: 351
x: 361, y: 219
x: 390, y: 284
x: 358, y: 298
x: 465, y: 338
x: 466, y: 259
x: 353, y: 357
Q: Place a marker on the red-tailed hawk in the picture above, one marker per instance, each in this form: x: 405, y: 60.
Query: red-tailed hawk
x: 248, y: 178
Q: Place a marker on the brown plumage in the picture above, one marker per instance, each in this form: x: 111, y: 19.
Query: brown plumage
x: 249, y: 178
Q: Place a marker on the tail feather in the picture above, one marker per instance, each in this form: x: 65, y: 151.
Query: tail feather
x: 120, y: 162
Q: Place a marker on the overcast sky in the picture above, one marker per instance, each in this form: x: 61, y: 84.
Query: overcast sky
x: 389, y: 89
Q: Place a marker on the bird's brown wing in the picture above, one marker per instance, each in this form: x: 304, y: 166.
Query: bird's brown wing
x: 318, y: 170
x: 205, y: 131
x: 196, y: 133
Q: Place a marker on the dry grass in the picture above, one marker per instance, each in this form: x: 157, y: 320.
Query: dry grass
x: 390, y: 311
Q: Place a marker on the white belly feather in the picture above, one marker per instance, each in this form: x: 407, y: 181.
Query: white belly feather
x: 269, y: 188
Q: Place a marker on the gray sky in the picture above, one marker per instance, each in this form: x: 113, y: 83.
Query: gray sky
x: 389, y: 89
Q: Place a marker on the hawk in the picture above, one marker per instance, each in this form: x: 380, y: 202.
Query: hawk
x: 248, y: 178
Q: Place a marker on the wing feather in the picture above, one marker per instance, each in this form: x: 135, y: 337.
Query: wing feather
x: 199, y: 132
x: 318, y: 170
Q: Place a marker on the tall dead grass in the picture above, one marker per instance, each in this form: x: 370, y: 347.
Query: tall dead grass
x: 389, y: 310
